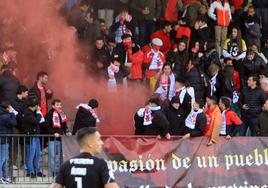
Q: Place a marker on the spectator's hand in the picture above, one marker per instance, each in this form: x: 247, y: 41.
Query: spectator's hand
x: 68, y: 134
x: 196, y: 25
x: 186, y: 136
x: 56, y: 135
x: 168, y: 136
x: 49, y: 91
x: 245, y: 107
x: 158, y: 137
x: 200, y: 54
x: 129, y: 65
x: 154, y: 19
x: 228, y: 137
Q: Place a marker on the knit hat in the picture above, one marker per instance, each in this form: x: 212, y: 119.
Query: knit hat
x: 157, y: 42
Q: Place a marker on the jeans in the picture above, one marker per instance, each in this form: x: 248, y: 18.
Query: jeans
x: 33, y: 156
x: 3, y: 158
x: 55, y: 155
x: 146, y: 28
x: 248, y: 122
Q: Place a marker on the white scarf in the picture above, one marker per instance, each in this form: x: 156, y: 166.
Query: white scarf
x: 182, y: 92
x: 235, y: 97
x: 223, y: 129
x: 191, y: 119
x: 89, y: 108
x: 162, y: 89
x: 112, y: 69
x: 213, y: 81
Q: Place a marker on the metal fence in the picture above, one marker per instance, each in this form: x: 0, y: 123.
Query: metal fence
x: 30, y: 158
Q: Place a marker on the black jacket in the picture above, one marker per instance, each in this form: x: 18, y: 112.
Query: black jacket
x: 199, y: 82
x: 210, y: 57
x: 255, y: 67
x: 31, y: 122
x: 262, y: 126
x: 35, y: 92
x: 159, y: 126
x: 8, y: 86
x: 200, y: 126
x: 7, y: 122
x: 254, y: 98
x: 176, y: 120
x: 83, y: 118
x: 49, y: 124
x: 20, y: 106
x: 181, y: 59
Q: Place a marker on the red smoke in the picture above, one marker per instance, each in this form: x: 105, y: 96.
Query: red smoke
x: 44, y: 41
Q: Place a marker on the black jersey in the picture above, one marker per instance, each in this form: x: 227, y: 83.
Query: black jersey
x: 84, y: 171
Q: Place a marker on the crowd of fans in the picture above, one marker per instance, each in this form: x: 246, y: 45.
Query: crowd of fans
x: 205, y: 63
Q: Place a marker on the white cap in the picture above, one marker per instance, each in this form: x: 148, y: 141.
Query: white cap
x: 157, y: 42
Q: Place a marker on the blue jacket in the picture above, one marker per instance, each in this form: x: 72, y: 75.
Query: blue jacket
x: 7, y: 122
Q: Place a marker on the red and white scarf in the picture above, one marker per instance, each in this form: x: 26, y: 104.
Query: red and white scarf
x: 156, y: 63
x: 146, y: 113
x: 57, y: 115
x: 90, y: 109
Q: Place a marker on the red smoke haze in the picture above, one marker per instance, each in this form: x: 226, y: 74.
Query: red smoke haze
x: 43, y: 41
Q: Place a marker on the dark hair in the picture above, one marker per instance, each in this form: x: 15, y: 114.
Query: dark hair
x: 255, y: 78
x: 84, y: 133
x: 202, y: 18
x: 228, y: 72
x: 200, y: 102
x: 214, y: 98
x: 227, y: 59
x: 55, y: 101
x: 251, y: 7
x: 210, y: 45
x: 101, y: 20
x: 21, y: 89
x: 5, y: 67
x: 32, y: 101
x: 154, y: 100
x: 99, y: 38
x: 93, y: 103
x: 164, y: 24
x: 165, y: 66
x: 238, y: 38
x: 250, y: 51
x: 4, y: 104
x: 41, y: 74
x: 226, y: 101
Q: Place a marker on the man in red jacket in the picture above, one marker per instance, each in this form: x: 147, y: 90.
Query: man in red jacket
x: 163, y: 34
x: 230, y: 119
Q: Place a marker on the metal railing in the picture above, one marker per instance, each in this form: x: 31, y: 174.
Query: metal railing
x: 30, y: 158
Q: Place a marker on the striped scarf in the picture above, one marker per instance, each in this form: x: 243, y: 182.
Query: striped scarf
x: 57, y: 115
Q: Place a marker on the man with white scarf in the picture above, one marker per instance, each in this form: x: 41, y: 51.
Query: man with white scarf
x: 195, y: 122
